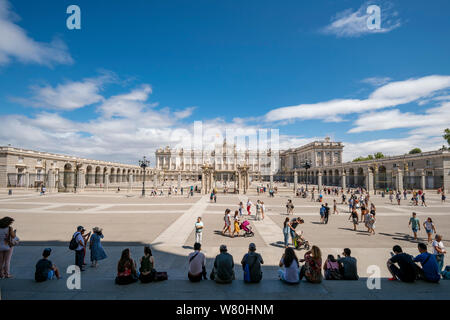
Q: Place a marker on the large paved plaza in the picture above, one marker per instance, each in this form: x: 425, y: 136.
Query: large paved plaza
x: 167, y: 224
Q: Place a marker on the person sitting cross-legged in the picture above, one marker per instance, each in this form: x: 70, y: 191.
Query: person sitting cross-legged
x: 406, y: 269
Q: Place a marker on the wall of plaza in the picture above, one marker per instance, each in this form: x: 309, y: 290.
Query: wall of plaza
x: 21, y: 168
x: 427, y: 170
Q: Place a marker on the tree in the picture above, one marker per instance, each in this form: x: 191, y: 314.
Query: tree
x: 415, y: 150
x: 378, y: 155
x: 447, y: 135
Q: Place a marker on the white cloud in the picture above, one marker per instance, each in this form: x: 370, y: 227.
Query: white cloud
x: 15, y: 44
x: 351, y: 23
x: 437, y: 118
x: 376, y: 81
x: 389, y: 95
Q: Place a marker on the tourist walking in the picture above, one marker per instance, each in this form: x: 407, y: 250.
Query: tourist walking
x: 335, y: 210
x: 415, y: 224
x: 286, y: 231
x: 236, y: 228
x: 429, y: 228
x: 422, y: 197
x: 354, y: 217
x: 7, y: 239
x: 258, y: 210
x: 443, y: 197
x: 290, y: 207
x: 312, y: 269
x: 263, y: 210
x: 199, y: 230
x: 95, y: 246
x: 241, y: 209
x: 326, y: 213
x: 197, y: 264
x: 227, y: 219
x: 290, y: 272
x: 249, y: 205
x: 371, y: 223
x: 251, y: 265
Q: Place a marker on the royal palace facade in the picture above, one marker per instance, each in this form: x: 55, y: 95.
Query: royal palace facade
x: 225, y: 166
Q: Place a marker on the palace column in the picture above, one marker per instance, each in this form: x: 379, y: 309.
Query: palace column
x: 295, y: 181
x: 422, y: 179
x: 343, y: 182
x: 319, y: 181
x: 369, y: 179
x: 399, y: 179
x: 81, y: 179
x: 106, y: 181
x: 51, y: 180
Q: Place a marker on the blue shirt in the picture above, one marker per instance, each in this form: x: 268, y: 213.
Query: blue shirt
x: 430, y: 267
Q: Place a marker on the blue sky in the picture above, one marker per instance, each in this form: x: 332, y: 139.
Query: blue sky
x: 138, y: 74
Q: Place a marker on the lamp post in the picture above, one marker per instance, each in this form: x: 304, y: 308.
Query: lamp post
x: 144, y: 163
x: 307, y: 165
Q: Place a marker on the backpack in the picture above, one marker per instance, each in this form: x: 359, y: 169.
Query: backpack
x: 73, y: 245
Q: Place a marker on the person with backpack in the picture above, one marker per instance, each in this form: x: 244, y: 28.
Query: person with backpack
x: 197, y: 264
x: 326, y: 213
x: 45, y: 269
x: 331, y: 269
x: 406, y: 270
x: 251, y: 264
x: 78, y: 244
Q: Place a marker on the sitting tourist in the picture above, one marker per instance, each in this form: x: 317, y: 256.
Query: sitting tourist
x: 331, y: 269
x: 223, y: 270
x: 289, y: 262
x: 348, y: 266
x: 406, y: 270
x: 45, y: 269
x: 126, y: 269
x: 312, y: 269
x: 147, y: 268
x: 251, y: 263
x: 430, y: 269
x: 197, y: 264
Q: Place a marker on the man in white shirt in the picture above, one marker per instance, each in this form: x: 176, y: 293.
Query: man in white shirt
x: 79, y: 251
x: 198, y: 230
x: 439, y: 251
x: 197, y: 264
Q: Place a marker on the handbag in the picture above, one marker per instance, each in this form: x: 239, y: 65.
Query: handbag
x: 13, y: 241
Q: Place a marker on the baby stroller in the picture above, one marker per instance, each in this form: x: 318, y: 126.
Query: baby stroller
x: 245, y: 225
x: 300, y: 243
